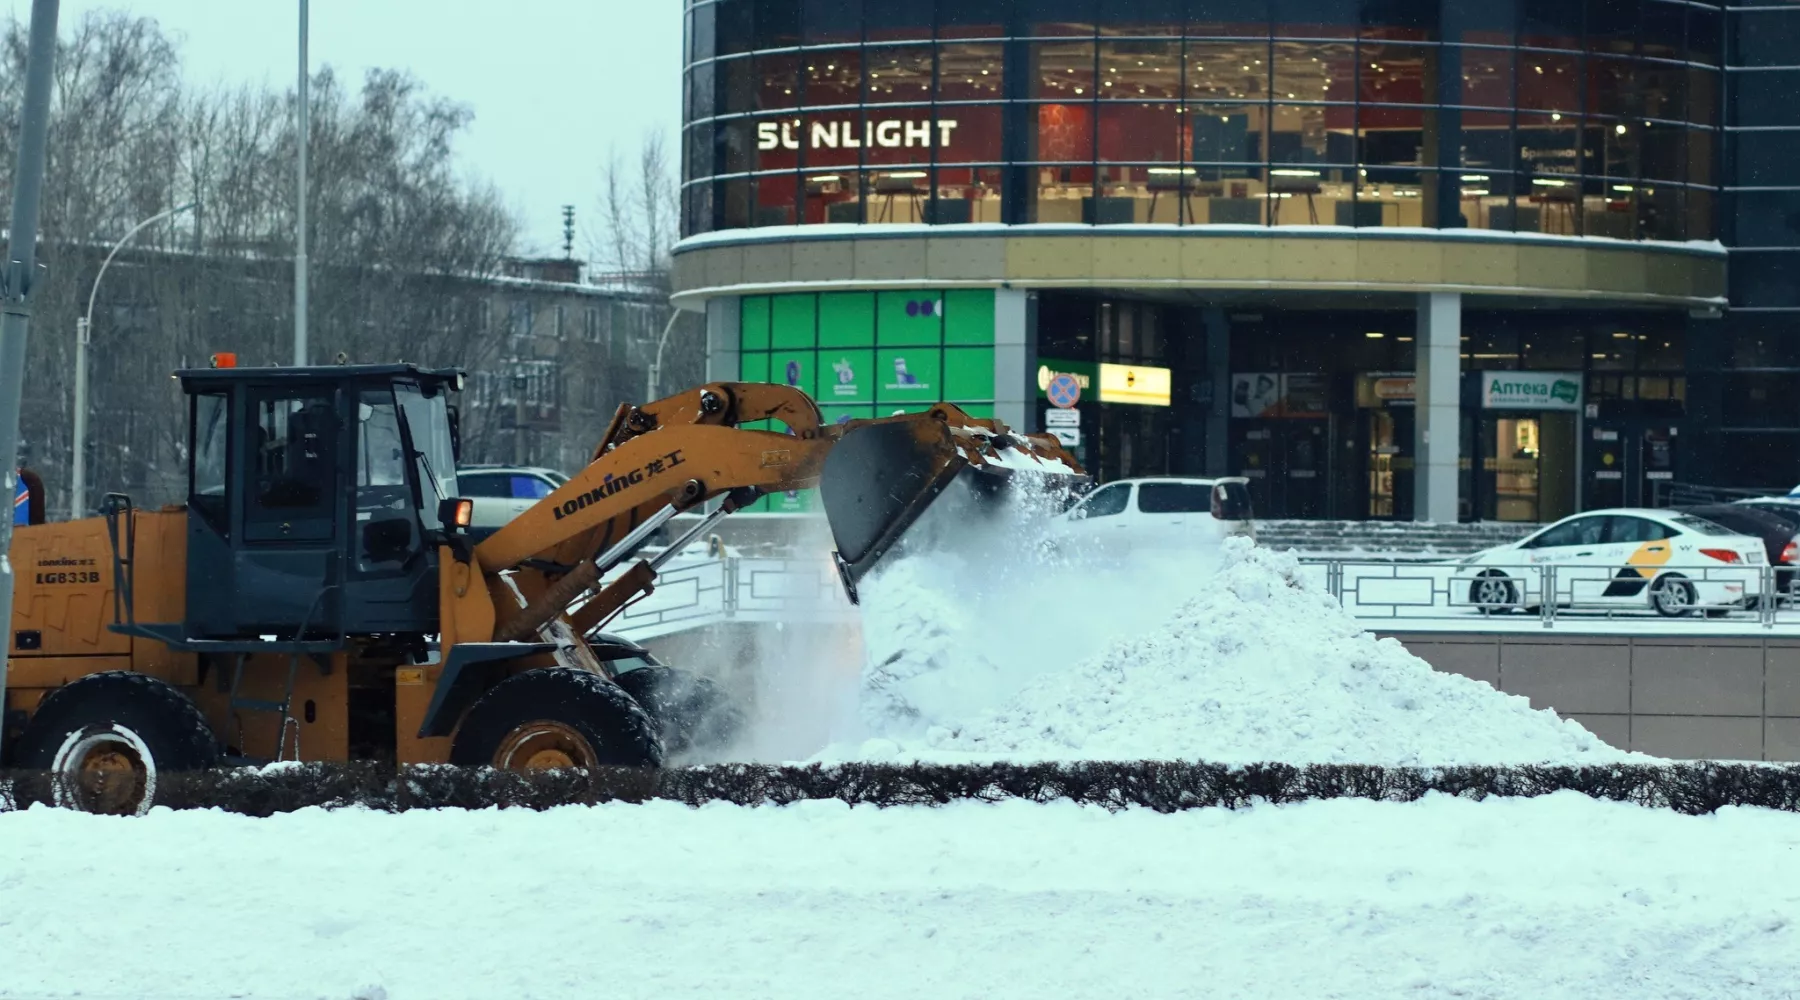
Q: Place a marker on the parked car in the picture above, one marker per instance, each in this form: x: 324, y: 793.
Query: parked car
x: 1778, y: 525
x: 1627, y: 557
x: 502, y: 492
x: 1159, y: 510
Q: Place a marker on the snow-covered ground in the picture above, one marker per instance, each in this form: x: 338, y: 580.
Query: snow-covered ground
x: 979, y: 650
x: 1534, y: 899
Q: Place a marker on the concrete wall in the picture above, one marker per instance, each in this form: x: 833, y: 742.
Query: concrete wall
x: 1734, y: 698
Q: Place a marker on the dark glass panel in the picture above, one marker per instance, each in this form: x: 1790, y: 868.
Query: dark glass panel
x: 1064, y: 70
x: 968, y: 133
x: 1765, y: 159
x: 1705, y: 31
x: 896, y: 22
x: 1314, y: 18
x: 778, y: 81
x: 1141, y: 17
x: 1765, y: 98
x: 1549, y: 81
x: 1662, y: 90
x: 1550, y: 24
x: 1313, y: 71
x: 1487, y: 80
x: 702, y: 40
x: 971, y: 71
x: 1768, y: 219
x: 1702, y: 96
x: 1392, y: 73
x: 826, y: 22
x: 1612, y: 26
x: 1234, y: 71
x: 1613, y: 88
x: 736, y: 86
x: 973, y: 18
x: 1765, y: 279
x: 1662, y: 29
x: 1663, y: 152
x: 1141, y: 132
x: 1228, y: 19
x: 735, y: 26
x: 1298, y: 134
x: 777, y: 23
x: 831, y: 196
x: 776, y: 199
x: 1061, y: 18
x: 832, y: 76
x: 898, y: 73
x: 701, y: 89
x: 1140, y: 70
x: 1400, y: 20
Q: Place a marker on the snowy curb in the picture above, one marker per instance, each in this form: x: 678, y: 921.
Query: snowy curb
x: 1163, y: 786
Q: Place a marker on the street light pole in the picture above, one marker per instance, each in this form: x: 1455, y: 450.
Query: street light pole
x: 21, y: 272
x: 304, y: 135
x: 656, y: 366
x: 83, y: 325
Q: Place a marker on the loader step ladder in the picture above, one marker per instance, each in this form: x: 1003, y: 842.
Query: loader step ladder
x: 283, y: 709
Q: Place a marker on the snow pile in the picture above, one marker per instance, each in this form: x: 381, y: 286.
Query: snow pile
x: 1167, y: 658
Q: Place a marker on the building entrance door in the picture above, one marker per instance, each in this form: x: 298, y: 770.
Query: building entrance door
x: 1527, y: 466
x: 1388, y: 457
x: 1629, y: 463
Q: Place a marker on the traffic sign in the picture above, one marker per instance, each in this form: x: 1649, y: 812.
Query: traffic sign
x: 1064, y: 390
x: 1069, y: 437
x: 1062, y: 418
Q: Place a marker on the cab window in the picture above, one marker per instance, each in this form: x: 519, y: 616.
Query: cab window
x: 1581, y: 531
x: 1632, y: 530
x: 1106, y: 501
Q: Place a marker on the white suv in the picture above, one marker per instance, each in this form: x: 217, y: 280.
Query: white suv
x: 503, y: 492
x: 1160, y: 511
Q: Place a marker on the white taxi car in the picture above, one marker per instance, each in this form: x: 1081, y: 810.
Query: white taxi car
x: 1671, y: 563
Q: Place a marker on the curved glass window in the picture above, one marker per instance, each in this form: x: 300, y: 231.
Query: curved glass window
x: 1571, y: 117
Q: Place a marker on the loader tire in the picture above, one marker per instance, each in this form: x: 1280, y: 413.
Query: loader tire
x: 690, y: 711
x: 105, y: 739
x: 553, y: 718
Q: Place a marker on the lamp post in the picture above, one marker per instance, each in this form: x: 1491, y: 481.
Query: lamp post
x: 78, y: 471
x: 303, y: 135
x: 656, y: 366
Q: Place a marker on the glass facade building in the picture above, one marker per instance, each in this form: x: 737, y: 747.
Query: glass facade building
x: 1434, y: 259
x: 1568, y: 117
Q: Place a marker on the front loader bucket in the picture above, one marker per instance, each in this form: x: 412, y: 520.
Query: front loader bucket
x: 876, y: 482
x: 881, y: 477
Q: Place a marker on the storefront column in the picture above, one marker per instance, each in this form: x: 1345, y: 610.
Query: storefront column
x: 1438, y: 395
x: 722, y: 342
x: 1218, y: 371
x: 1015, y: 391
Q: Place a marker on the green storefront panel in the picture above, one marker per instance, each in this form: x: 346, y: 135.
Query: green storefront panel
x: 753, y: 367
x: 846, y: 377
x: 982, y: 410
x: 795, y: 368
x: 847, y: 319
x: 839, y: 414
x: 753, y: 323
x: 909, y: 375
x: 969, y: 316
x: 968, y: 373
x: 794, y: 321
x: 909, y: 319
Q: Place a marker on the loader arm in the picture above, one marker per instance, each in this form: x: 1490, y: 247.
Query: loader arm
x: 676, y: 454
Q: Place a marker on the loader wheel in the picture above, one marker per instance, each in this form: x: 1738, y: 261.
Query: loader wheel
x: 689, y: 710
x: 106, y: 737
x: 553, y: 718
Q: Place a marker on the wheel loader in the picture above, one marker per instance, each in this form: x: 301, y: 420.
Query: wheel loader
x: 317, y: 597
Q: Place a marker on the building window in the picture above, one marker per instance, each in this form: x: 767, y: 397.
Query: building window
x: 1568, y: 120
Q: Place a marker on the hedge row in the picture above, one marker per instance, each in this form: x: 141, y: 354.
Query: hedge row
x: 1164, y: 786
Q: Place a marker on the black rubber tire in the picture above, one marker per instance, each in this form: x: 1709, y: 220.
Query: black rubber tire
x: 620, y: 732
x: 166, y: 722
x: 690, y: 711
x: 1512, y: 592
x: 1665, y: 582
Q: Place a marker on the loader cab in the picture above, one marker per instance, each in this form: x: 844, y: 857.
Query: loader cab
x: 313, y: 497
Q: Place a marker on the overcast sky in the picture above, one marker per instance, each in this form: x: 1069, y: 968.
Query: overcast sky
x: 553, y: 83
